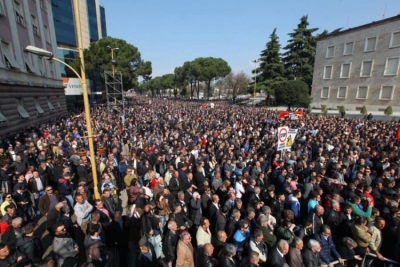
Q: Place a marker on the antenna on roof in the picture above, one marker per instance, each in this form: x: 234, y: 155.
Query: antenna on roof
x: 347, y: 24
x: 384, y: 12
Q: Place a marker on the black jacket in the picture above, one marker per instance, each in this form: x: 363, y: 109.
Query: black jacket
x: 224, y: 261
x: 204, y: 261
x: 169, y: 244
x: 31, y: 247
x: 310, y: 258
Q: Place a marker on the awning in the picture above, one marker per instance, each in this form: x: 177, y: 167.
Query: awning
x: 21, y: 110
x: 29, y: 63
x: 6, y: 49
x: 38, y: 107
x: 51, y: 107
x: 2, y: 118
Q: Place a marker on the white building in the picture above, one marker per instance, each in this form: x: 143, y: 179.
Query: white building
x: 359, y: 66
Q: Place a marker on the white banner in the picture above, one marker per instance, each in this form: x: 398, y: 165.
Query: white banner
x: 286, y: 137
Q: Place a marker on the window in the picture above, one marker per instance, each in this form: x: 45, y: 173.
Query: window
x: 330, y: 51
x: 2, y: 12
x: 395, y: 40
x: 43, y: 4
x: 348, y: 48
x: 37, y: 106
x: 3, y: 118
x: 51, y: 67
x: 49, y: 104
x: 35, y: 26
x: 325, y: 92
x: 47, y: 33
x: 366, y: 68
x: 391, y: 66
x: 342, y: 91
x: 21, y: 110
x: 386, y: 92
x: 28, y: 63
x: 19, y: 14
x: 345, y: 71
x: 8, y: 56
x: 370, y: 44
x: 42, y: 66
x: 328, y: 72
x: 362, y: 92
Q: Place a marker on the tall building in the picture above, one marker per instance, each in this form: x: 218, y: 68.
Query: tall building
x: 93, y: 28
x: 359, y: 66
x: 31, y: 90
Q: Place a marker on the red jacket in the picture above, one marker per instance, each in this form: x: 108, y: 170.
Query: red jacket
x: 398, y: 133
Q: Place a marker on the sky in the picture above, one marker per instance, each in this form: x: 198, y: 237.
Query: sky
x: 170, y: 32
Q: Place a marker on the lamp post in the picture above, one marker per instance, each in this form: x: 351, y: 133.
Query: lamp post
x: 112, y: 58
x: 255, y: 61
x: 82, y: 79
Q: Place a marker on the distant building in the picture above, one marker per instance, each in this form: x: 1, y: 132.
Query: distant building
x: 31, y: 90
x: 359, y: 66
x: 93, y: 26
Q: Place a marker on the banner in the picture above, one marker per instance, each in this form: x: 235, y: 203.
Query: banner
x: 286, y: 137
x: 291, y: 115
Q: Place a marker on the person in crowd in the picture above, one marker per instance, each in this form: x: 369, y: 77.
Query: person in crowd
x: 294, y: 257
x: 328, y: 251
x: 82, y: 209
x: 277, y: 255
x: 185, y: 256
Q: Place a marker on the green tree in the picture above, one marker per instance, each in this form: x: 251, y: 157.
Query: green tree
x: 191, y: 73
x: 292, y: 92
x: 211, y: 68
x: 236, y: 83
x: 388, y: 111
x: 299, y: 57
x: 167, y: 83
x: 272, y: 69
x: 127, y: 60
x: 364, y: 110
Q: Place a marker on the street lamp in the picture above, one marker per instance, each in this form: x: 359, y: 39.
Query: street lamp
x: 255, y: 61
x: 112, y: 58
x: 82, y: 78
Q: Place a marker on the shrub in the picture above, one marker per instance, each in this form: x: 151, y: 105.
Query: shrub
x: 364, y: 110
x: 388, y: 111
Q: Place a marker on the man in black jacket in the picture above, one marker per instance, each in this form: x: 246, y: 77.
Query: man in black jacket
x: 204, y: 258
x: 170, y: 241
x: 311, y: 254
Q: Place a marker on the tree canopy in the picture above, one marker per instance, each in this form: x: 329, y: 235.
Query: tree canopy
x: 292, y: 92
x: 127, y: 60
x: 272, y: 69
x: 300, y: 52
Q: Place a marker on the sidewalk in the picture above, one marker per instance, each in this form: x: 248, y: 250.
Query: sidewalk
x: 348, y: 112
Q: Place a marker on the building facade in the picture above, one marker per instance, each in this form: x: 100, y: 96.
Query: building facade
x: 359, y: 67
x: 93, y: 28
x: 31, y: 90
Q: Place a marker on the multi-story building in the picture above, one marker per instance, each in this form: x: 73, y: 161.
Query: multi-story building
x: 359, y: 66
x: 93, y: 28
x: 31, y: 90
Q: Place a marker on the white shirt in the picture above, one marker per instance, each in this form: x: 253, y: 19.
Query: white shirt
x: 39, y: 184
x: 82, y: 212
x: 239, y: 189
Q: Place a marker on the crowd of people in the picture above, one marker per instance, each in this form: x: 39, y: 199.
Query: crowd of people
x: 190, y: 185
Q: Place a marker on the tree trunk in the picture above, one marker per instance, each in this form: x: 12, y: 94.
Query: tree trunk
x: 191, y: 89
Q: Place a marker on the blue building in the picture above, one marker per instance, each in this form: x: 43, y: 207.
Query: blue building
x: 93, y: 28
